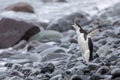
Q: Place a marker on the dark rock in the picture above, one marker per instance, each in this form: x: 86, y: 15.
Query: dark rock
x: 48, y: 68
x: 92, y: 66
x: 96, y: 77
x: 61, y: 1
x: 12, y: 31
x: 115, y: 73
x: 103, y: 70
x: 20, y: 7
x: 65, y: 23
x: 76, y: 77
x: 26, y: 72
x: 9, y: 65
x: 20, y: 45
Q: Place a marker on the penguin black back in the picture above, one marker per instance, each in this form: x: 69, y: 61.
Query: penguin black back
x: 90, y: 45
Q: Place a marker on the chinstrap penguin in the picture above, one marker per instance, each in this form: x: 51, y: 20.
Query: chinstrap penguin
x: 84, y: 41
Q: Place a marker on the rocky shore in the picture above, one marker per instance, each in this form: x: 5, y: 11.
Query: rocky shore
x: 35, y: 50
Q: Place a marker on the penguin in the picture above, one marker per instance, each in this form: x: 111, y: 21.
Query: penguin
x: 84, y: 41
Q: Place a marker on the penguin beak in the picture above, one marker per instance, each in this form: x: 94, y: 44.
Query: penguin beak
x: 74, y: 26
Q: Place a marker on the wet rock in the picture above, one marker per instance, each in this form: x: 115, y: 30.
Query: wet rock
x: 3, y: 75
x: 103, y: 70
x: 48, y: 68
x: 47, y: 35
x: 77, y: 77
x: 96, y: 77
x: 102, y: 51
x: 65, y: 23
x: 54, y: 56
x: 9, y: 65
x: 20, y: 7
x: 20, y: 45
x: 112, y: 57
x: 9, y: 53
x: 11, y: 34
x: 33, y: 44
x: 16, y: 73
x: 54, y: 49
x: 26, y: 72
x: 115, y: 73
x: 14, y: 78
x: 92, y: 66
x: 41, y: 48
x: 22, y: 58
x: 57, y: 77
x: 46, y: 1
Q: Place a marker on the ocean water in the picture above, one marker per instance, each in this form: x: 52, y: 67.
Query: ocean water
x: 45, y: 12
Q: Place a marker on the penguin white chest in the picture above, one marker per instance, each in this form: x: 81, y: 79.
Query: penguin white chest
x: 83, y: 44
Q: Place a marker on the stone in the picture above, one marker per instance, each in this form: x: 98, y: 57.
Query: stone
x: 16, y: 73
x: 115, y: 73
x: 47, y: 35
x: 54, y: 56
x: 11, y: 34
x: 13, y: 78
x: 27, y: 57
x: 92, y: 66
x: 76, y: 77
x: 48, y: 68
x: 65, y: 23
x: 57, y: 77
x: 20, y: 7
x: 112, y: 57
x: 9, y: 53
x: 96, y: 76
x: 20, y: 45
x: 103, y: 70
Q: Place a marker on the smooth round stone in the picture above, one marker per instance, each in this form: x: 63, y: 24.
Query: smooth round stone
x: 16, y: 73
x: 112, y: 57
x: 9, y: 53
x: 47, y: 35
x: 13, y: 78
x: 92, y: 66
x: 96, y: 76
x: 54, y: 49
x: 103, y: 70
x: 53, y: 56
x: 78, y: 77
x: 115, y: 73
x: 41, y: 48
x: 57, y: 77
x: 20, y: 45
x: 25, y: 57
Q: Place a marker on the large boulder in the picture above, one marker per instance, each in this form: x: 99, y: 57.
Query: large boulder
x: 20, y: 7
x: 65, y: 23
x: 12, y: 31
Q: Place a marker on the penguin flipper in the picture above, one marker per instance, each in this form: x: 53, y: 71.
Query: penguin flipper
x: 92, y: 33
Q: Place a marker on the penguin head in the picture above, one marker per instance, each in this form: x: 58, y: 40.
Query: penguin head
x: 77, y: 26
